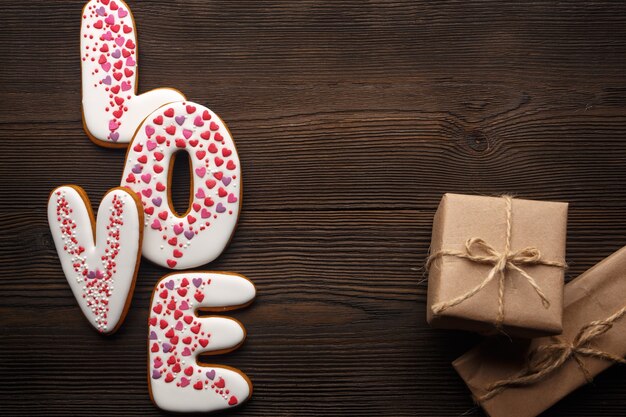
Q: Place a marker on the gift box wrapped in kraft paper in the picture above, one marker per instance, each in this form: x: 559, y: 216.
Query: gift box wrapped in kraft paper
x: 496, y: 264
x: 523, y: 379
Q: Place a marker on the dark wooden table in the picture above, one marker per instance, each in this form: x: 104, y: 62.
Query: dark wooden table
x: 351, y: 119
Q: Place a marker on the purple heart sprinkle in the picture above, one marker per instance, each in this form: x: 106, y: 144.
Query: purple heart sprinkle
x: 91, y: 274
x: 153, y: 335
x: 169, y: 284
x: 189, y: 234
x: 116, y: 54
x: 156, y: 374
x: 211, y: 374
x: 107, y: 80
x: 137, y: 168
x: 226, y: 180
x: 167, y: 347
x: 220, y: 208
x: 197, y: 282
x: 114, y: 136
x: 157, y: 201
x: 100, y: 11
x: 180, y: 120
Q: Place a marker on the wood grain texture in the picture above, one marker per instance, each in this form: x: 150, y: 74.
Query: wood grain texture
x: 351, y: 119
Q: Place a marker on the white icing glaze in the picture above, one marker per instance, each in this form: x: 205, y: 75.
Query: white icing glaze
x: 176, y: 336
x: 199, y: 236
x: 101, y: 273
x: 108, y: 44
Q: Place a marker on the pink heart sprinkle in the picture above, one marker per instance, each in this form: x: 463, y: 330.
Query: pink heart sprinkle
x: 106, y: 66
x: 205, y: 214
x: 156, y: 224
x: 186, y: 352
x: 201, y: 172
x: 149, y: 130
x: 198, y: 121
x: 187, y: 133
x: 146, y: 178
x: 147, y: 192
x: 151, y: 145
x: 130, y: 62
x: 119, y: 40
x: 125, y: 86
x: 113, y: 125
x: 179, y: 326
x: 178, y: 229
x: 232, y: 198
x: 110, y: 19
x: 122, y: 13
x: 108, y: 36
x: 184, y: 305
x: 200, y: 193
x: 184, y: 382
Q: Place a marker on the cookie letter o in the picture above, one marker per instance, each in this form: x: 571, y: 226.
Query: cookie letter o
x: 176, y: 336
x: 200, y: 235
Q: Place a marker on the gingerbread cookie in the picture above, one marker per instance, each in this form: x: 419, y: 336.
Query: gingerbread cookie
x: 108, y: 45
x: 177, y: 335
x: 100, y: 260
x: 201, y: 234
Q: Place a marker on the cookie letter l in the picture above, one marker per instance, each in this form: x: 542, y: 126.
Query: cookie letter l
x: 100, y: 265
x: 177, y: 335
x: 108, y: 47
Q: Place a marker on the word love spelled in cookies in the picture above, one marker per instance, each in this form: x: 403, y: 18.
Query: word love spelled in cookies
x: 109, y: 68
x: 100, y: 260
x: 177, y: 335
x: 200, y: 235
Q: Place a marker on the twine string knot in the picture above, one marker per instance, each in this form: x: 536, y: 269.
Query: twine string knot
x: 545, y: 359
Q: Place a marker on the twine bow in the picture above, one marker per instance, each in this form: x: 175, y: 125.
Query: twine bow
x: 479, y: 251
x: 545, y: 359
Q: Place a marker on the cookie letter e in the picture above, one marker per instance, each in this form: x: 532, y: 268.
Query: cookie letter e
x: 201, y: 234
x: 100, y: 260
x: 108, y: 48
x: 176, y: 336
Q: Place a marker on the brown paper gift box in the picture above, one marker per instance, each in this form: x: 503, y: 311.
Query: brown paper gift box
x: 595, y: 295
x: 539, y: 224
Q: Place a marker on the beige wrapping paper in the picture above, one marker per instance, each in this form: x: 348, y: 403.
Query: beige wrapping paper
x: 538, y: 224
x: 595, y: 295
